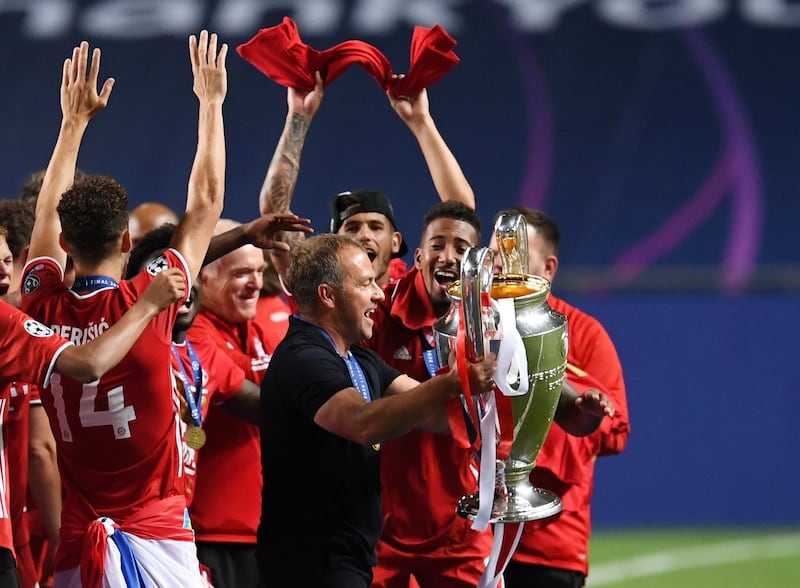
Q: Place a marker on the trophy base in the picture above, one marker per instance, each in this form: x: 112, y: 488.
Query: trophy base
x: 535, y: 505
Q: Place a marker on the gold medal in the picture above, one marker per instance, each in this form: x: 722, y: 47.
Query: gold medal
x: 195, y: 437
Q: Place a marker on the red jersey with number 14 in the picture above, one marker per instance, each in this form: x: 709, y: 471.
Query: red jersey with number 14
x: 118, y: 439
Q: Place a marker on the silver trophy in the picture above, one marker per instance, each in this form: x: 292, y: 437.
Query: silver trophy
x: 513, y: 308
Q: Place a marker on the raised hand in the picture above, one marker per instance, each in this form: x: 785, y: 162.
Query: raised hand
x: 306, y: 102
x: 166, y: 288
x: 411, y: 109
x: 208, y: 67
x: 79, y: 98
x: 264, y: 232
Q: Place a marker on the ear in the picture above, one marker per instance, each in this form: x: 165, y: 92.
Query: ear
x: 63, y: 243
x: 326, y: 295
x: 550, y: 267
x: 126, y: 241
x: 418, y: 258
x: 22, y: 258
x: 397, y: 238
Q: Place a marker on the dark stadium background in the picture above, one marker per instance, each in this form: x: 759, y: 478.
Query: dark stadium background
x: 667, y: 154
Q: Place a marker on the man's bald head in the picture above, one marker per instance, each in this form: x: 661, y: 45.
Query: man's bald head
x: 148, y: 216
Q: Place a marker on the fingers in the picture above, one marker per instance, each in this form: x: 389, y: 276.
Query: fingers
x: 223, y: 54
x: 202, y: 48
x: 78, y: 71
x: 65, y: 74
x: 94, y: 68
x: 105, y: 92
x: 206, y: 50
x: 193, y: 57
x: 212, y: 49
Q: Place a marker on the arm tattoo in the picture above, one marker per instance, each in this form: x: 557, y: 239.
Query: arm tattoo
x: 279, y: 184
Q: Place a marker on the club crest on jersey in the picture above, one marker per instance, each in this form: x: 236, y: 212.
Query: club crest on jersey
x: 37, y: 329
x: 30, y: 284
x: 158, y: 265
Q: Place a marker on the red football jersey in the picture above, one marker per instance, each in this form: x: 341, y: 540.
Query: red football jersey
x: 231, y: 458
x: 118, y: 439
x: 272, y: 315
x: 28, y: 351
x: 221, y: 379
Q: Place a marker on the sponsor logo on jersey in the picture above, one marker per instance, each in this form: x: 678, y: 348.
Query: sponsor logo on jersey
x: 158, y: 265
x: 37, y: 329
x: 402, y: 353
x: 30, y: 284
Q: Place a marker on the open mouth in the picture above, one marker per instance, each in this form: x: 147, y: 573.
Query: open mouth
x: 444, y: 277
x: 371, y: 254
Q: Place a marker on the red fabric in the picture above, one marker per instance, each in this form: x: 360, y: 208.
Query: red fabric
x: 16, y: 439
x: 504, y: 556
x: 280, y: 54
x: 38, y: 547
x: 32, y: 558
x: 397, y: 269
x: 420, y: 520
x: 231, y: 456
x: 565, y: 464
x: 155, y: 521
x: 463, y: 377
x: 272, y: 315
x: 432, y: 57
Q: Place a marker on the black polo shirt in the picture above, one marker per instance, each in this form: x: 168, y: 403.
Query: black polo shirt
x: 321, y: 503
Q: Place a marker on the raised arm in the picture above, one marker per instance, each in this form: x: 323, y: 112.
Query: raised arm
x: 446, y: 173
x: 281, y: 179
x: 91, y: 360
x: 79, y: 103
x: 204, y: 199
x: 261, y: 232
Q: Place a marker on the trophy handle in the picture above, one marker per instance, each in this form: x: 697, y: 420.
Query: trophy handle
x: 477, y: 268
x: 511, y: 233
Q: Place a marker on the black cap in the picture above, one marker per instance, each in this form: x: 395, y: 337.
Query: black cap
x: 346, y: 204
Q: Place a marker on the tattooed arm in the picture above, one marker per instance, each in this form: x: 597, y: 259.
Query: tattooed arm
x: 278, y: 186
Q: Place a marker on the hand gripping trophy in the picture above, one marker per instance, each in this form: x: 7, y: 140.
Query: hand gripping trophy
x: 508, y: 314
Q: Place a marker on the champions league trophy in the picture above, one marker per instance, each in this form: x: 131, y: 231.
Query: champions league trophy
x: 510, y: 309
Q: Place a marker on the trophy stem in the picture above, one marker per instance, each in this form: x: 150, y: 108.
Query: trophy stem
x: 516, y: 500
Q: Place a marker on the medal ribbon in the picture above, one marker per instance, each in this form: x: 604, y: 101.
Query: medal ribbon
x: 92, y: 283
x: 357, y: 377
x: 197, y: 373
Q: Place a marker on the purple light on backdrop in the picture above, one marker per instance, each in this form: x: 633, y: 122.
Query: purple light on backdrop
x: 736, y: 170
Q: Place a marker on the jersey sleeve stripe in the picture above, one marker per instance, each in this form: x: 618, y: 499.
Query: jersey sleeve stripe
x: 51, y: 368
x: 179, y: 255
